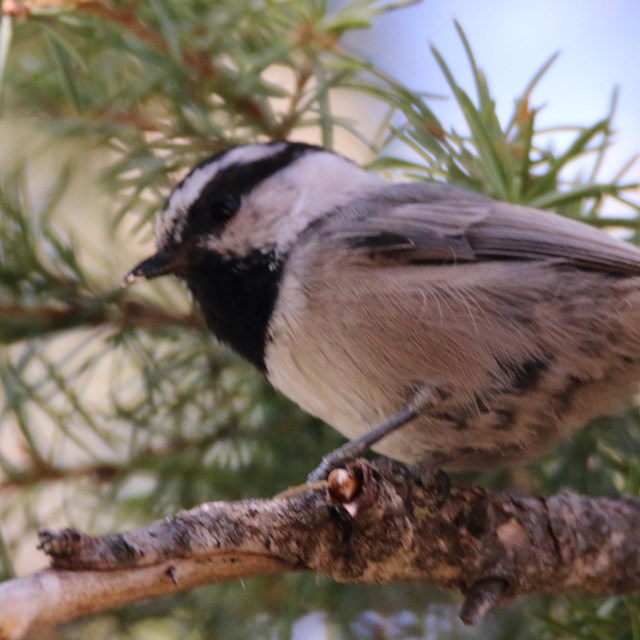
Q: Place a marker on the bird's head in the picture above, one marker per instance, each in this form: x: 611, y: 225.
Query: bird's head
x: 249, y: 200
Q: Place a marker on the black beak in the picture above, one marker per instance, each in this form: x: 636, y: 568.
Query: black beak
x: 159, y: 264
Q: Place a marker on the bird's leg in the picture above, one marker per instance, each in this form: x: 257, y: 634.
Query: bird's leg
x: 354, y: 448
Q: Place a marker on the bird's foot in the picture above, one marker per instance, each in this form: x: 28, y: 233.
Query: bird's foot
x: 354, y: 448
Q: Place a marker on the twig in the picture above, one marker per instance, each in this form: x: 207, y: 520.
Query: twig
x: 18, y: 321
x: 43, y: 471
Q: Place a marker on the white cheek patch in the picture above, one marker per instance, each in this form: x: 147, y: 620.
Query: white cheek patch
x: 172, y: 218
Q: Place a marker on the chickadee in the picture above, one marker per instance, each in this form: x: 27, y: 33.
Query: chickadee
x: 471, y: 334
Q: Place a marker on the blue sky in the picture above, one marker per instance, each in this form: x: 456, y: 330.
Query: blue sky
x: 598, y: 40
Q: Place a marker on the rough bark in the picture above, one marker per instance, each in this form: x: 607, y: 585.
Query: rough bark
x: 372, y: 523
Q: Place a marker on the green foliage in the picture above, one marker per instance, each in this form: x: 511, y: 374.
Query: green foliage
x: 514, y: 162
x: 118, y: 407
x: 616, y: 617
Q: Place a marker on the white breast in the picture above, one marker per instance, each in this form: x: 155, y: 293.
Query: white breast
x: 307, y: 366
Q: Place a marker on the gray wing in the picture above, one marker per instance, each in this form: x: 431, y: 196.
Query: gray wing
x: 415, y: 223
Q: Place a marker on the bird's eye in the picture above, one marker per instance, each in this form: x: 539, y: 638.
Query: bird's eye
x: 212, y: 211
x: 228, y: 205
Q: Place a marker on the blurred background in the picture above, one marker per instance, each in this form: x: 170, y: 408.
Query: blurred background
x: 597, y: 42
x: 118, y: 408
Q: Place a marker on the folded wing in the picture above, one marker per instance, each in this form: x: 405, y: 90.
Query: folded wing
x: 414, y: 223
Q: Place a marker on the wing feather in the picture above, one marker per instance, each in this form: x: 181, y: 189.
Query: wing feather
x: 440, y: 223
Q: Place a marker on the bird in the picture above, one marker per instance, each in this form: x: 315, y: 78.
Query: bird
x: 429, y: 322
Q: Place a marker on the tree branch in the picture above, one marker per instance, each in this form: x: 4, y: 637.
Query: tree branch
x: 377, y: 523
x: 18, y: 321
